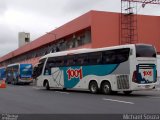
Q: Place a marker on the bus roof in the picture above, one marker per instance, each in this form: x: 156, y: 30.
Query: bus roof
x: 68, y: 52
x: 86, y: 50
x: 2, y: 68
x: 18, y: 64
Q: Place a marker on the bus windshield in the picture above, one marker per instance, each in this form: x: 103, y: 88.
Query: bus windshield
x: 145, y: 51
x: 26, y: 70
x: 2, y: 73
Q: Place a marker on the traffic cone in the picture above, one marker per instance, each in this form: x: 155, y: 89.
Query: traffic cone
x: 3, y: 84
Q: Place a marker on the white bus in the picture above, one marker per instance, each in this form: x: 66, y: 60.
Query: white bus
x: 123, y: 68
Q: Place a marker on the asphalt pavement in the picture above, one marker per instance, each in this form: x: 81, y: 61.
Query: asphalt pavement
x: 33, y: 100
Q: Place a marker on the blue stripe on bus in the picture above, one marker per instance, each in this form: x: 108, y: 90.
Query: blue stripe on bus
x: 98, y: 70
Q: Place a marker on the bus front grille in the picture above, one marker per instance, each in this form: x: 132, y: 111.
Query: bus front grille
x: 123, y: 82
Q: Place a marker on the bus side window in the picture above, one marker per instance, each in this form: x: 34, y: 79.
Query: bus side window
x: 95, y: 58
x: 85, y: 61
x: 57, y: 62
x: 39, y: 70
x: 70, y: 60
x: 120, y: 58
x: 116, y: 56
x: 40, y: 67
x: 62, y: 61
x: 108, y: 57
x: 81, y: 59
x: 122, y: 55
x: 47, y: 70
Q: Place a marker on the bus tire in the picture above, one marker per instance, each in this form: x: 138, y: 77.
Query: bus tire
x: 93, y: 87
x: 46, y: 84
x: 64, y: 89
x: 114, y: 92
x: 127, y: 92
x: 106, y: 88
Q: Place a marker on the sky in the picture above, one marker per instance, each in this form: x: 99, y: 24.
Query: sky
x: 41, y: 16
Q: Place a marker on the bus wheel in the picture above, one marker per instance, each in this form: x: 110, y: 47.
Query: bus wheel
x: 127, y: 92
x: 47, y: 85
x: 114, y: 92
x: 64, y: 89
x: 106, y: 88
x: 93, y: 87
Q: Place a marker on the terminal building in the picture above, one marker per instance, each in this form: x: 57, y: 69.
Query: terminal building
x: 92, y: 30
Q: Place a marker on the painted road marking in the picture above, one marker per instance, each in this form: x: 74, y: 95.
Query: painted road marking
x: 118, y: 101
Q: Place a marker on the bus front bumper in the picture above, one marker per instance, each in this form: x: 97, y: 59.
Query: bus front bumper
x: 26, y: 80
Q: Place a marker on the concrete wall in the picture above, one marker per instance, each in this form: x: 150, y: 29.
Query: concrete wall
x: 106, y: 32
x: 149, y: 30
x: 23, y: 38
x: 105, y: 29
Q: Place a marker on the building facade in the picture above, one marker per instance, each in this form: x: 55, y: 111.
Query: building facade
x: 91, y: 30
